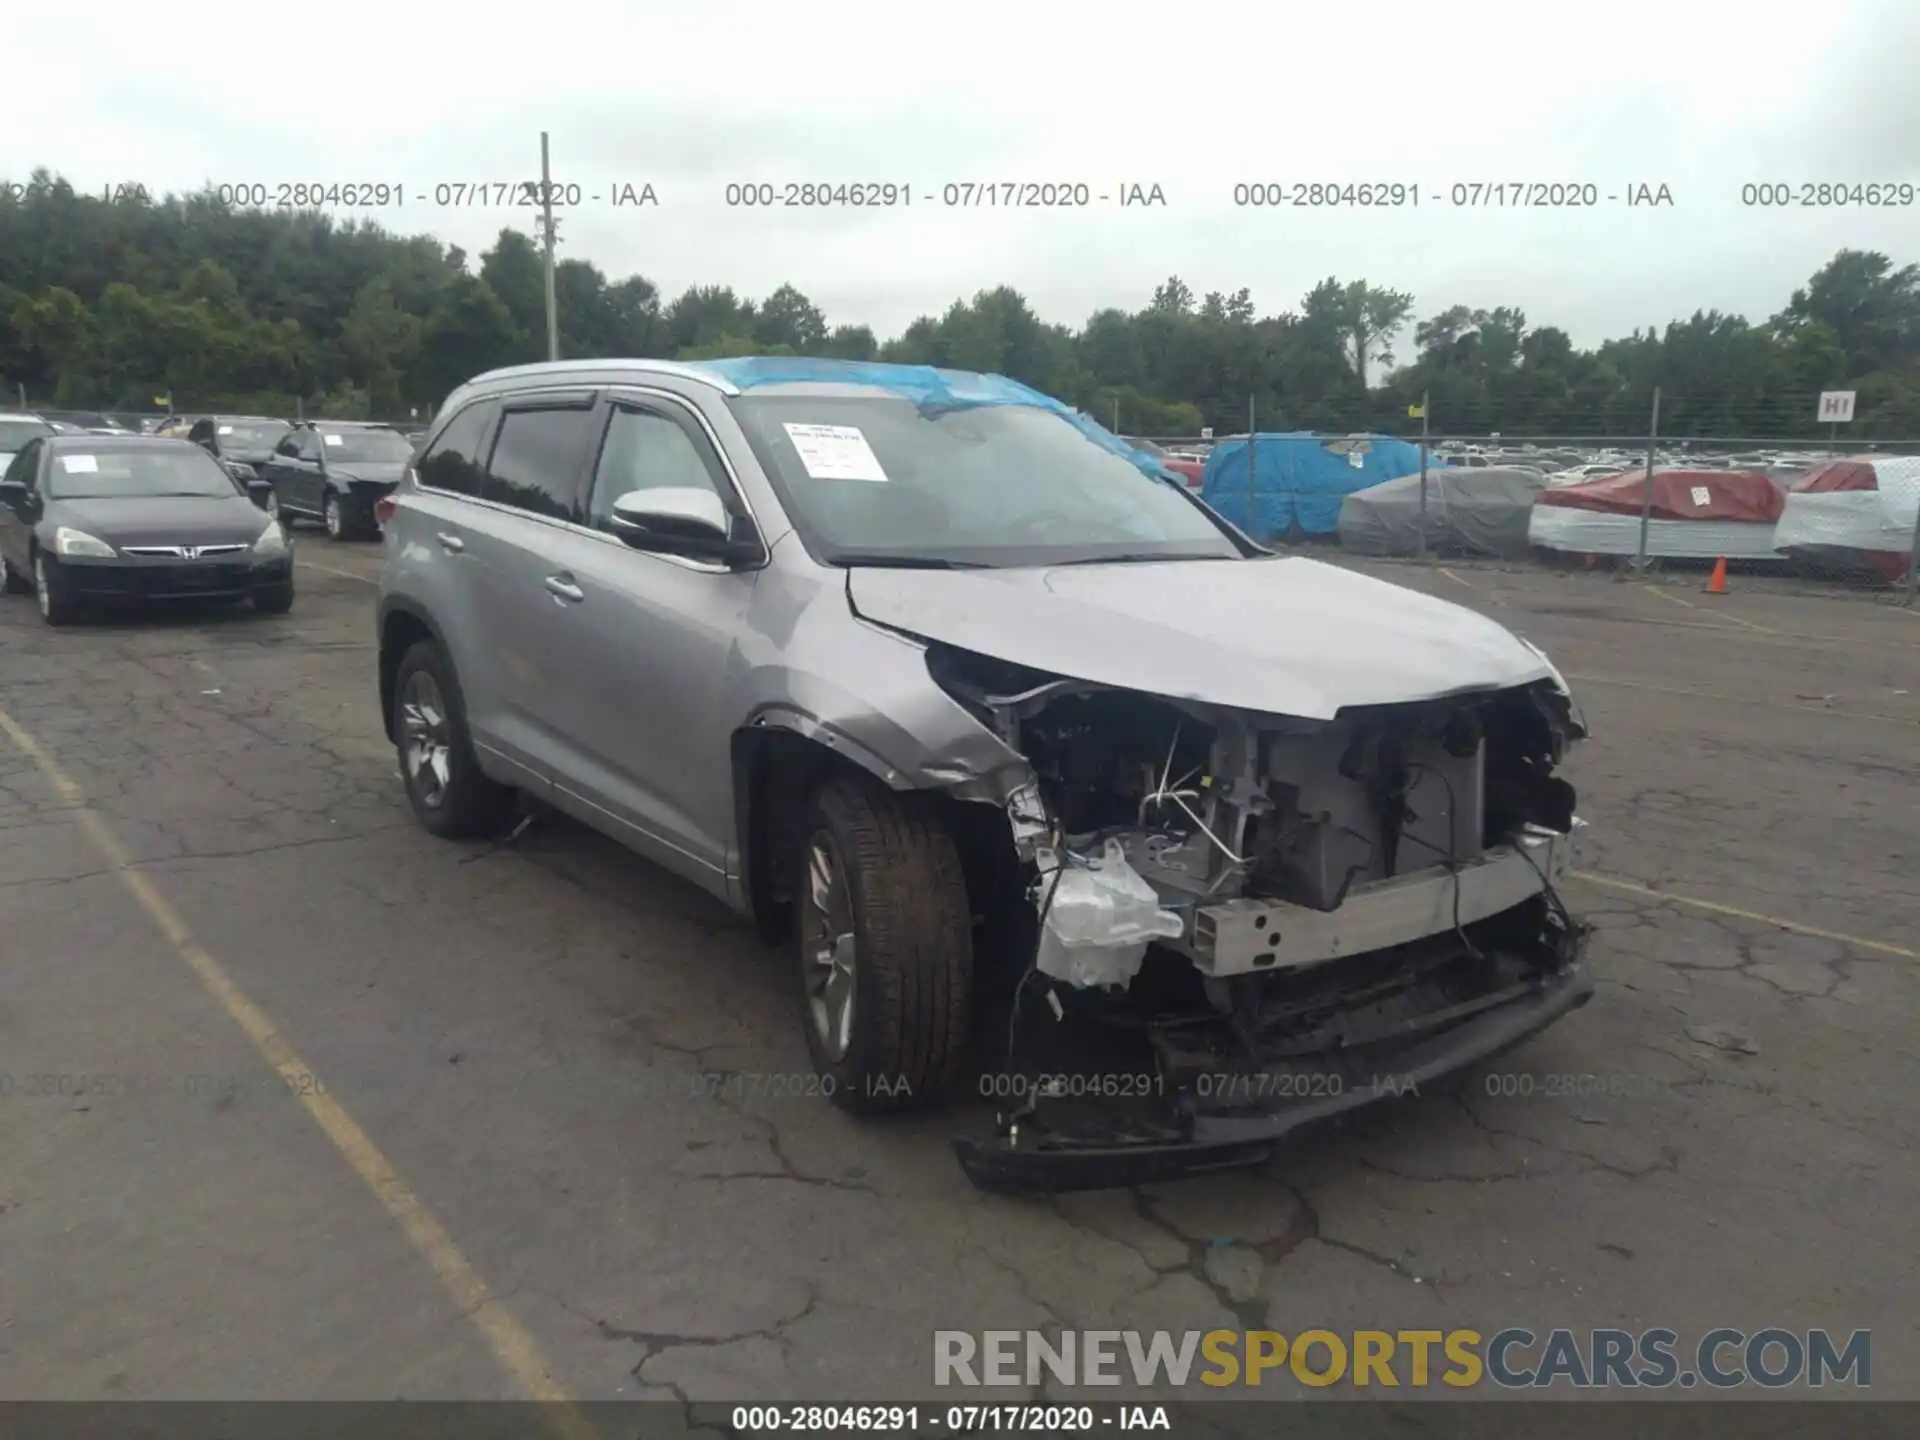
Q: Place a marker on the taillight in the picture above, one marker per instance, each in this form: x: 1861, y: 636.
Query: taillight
x: 383, y: 509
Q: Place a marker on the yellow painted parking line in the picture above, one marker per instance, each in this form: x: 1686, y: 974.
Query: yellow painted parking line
x: 1712, y: 907
x: 516, y: 1350
x: 1736, y: 620
x: 1674, y: 599
x: 1744, y: 627
x: 1743, y: 702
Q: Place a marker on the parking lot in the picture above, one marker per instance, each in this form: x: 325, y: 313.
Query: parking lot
x: 517, y: 1181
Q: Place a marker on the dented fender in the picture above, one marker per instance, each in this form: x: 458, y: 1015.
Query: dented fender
x: 863, y: 691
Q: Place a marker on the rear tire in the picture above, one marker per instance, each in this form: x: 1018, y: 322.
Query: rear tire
x: 450, y: 795
x: 12, y: 582
x: 883, y: 939
x: 333, y: 514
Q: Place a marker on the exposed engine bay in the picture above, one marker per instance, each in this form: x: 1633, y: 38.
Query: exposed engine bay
x: 1292, y: 903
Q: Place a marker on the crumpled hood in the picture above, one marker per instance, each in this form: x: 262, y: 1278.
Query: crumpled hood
x: 1282, y: 636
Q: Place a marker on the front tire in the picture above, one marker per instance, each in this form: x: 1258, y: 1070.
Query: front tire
x: 884, y: 945
x: 274, y: 599
x: 334, y: 516
x: 12, y: 581
x: 450, y: 795
x: 57, y: 605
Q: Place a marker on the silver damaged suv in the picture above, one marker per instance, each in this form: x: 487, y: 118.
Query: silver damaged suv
x: 1048, y: 776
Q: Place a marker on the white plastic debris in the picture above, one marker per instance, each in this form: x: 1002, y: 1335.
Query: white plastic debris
x: 1100, y: 919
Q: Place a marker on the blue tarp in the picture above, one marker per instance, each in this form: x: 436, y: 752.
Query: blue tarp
x: 927, y: 387
x: 1299, y: 480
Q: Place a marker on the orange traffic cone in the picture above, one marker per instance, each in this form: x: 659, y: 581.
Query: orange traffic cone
x: 1718, y: 584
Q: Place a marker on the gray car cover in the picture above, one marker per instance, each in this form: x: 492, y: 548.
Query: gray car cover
x: 1470, y: 512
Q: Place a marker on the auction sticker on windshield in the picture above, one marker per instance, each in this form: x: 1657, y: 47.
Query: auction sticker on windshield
x: 226, y: 429
x: 334, y: 439
x: 835, y: 452
x: 80, y: 464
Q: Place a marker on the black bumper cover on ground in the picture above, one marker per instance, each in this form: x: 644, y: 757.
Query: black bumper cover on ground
x: 1035, y: 1159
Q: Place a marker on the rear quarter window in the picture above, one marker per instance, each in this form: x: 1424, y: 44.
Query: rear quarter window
x: 456, y: 461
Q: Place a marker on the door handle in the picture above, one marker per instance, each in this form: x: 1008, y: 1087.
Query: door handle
x: 452, y: 544
x: 564, y: 587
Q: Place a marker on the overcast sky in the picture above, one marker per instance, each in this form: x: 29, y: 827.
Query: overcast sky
x: 1195, y: 97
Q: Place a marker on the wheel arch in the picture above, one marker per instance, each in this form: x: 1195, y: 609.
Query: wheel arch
x: 403, y: 625
x: 780, y: 757
x: 777, y: 760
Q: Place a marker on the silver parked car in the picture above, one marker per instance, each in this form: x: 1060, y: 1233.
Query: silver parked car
x: 1033, y: 760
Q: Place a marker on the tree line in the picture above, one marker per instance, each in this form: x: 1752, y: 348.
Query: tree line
x: 109, y: 303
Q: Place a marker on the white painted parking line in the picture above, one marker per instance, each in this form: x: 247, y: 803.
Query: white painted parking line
x: 343, y: 574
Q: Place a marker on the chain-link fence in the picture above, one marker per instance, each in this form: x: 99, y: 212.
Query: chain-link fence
x: 1805, y: 509
x: 148, y: 421
x: 1821, y: 510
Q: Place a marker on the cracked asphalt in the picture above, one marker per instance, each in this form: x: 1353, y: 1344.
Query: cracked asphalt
x: 577, y: 1062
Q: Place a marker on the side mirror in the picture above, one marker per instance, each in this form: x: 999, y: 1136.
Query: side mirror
x: 259, y: 491
x: 12, y: 492
x: 689, y: 521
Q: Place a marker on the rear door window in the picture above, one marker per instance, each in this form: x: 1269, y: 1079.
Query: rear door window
x: 455, y: 461
x: 539, y: 458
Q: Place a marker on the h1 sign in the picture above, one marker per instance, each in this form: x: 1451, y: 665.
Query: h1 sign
x: 1836, y: 407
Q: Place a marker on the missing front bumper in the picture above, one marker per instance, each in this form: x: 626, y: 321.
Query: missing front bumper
x: 1224, y: 1122
x: 1243, y: 937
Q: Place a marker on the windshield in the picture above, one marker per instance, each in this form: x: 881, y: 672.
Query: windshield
x: 366, y: 447
x: 997, y: 485
x: 249, y: 434
x: 119, y: 474
x: 15, y: 433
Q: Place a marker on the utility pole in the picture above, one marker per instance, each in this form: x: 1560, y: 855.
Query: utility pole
x: 547, y: 235
x: 1640, y: 559
x: 1424, y: 433
x: 1253, y: 497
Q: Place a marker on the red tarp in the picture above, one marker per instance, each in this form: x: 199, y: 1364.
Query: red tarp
x: 1840, y: 475
x: 1855, y: 475
x: 1678, y: 495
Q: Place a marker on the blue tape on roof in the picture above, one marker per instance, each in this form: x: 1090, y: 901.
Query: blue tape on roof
x: 927, y: 387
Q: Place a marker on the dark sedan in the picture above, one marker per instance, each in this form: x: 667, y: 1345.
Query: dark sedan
x: 335, y: 471
x: 91, y: 518
x: 243, y: 442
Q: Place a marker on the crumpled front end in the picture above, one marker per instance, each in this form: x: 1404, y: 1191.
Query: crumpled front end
x: 1236, y: 924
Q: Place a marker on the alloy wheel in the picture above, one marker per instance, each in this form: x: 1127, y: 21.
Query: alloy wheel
x: 43, y: 586
x: 330, y: 512
x: 426, y: 739
x: 831, y: 952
